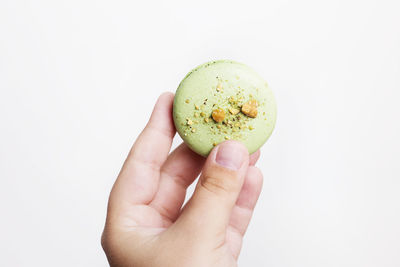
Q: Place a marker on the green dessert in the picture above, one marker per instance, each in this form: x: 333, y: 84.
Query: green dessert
x: 223, y: 100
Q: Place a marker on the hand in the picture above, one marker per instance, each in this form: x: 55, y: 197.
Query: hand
x: 146, y: 224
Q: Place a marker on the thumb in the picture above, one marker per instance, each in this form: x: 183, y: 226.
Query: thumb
x: 209, y: 209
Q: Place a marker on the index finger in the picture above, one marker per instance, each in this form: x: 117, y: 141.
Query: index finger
x: 138, y: 180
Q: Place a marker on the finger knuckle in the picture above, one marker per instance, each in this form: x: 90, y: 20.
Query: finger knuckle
x: 217, y: 185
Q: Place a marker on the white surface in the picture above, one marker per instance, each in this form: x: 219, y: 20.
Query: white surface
x: 78, y: 80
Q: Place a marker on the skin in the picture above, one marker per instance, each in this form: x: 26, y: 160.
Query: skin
x: 146, y: 224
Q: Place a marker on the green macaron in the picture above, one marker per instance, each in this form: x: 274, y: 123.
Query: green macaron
x: 223, y: 100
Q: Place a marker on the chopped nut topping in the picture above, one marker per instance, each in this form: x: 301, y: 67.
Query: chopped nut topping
x: 206, y: 119
x: 219, y: 126
x: 203, y: 114
x: 227, y: 137
x: 251, y: 127
x: 219, y: 87
x: 187, y: 101
x: 250, y: 108
x: 233, y: 111
x: 214, y: 144
x: 189, y: 122
x: 193, y: 130
x: 196, y: 107
x: 196, y: 115
x: 218, y: 115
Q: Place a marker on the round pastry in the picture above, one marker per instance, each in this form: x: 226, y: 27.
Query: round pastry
x: 223, y: 100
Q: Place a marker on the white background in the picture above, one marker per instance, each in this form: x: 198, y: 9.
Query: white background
x: 78, y: 80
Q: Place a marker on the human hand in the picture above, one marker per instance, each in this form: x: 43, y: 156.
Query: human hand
x: 146, y: 224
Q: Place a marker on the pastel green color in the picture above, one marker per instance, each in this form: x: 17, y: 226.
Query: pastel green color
x: 227, y: 85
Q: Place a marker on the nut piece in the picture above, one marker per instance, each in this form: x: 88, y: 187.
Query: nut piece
x: 233, y: 111
x: 218, y: 115
x: 219, y: 87
x: 250, y: 108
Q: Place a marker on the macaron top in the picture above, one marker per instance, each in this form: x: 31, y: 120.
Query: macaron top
x: 223, y: 100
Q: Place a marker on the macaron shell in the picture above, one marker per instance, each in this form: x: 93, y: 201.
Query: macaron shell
x: 210, y: 86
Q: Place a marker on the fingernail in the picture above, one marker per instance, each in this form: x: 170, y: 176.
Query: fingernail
x: 230, y: 155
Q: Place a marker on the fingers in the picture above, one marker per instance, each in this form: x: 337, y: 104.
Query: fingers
x: 138, y: 179
x: 178, y: 172
x: 243, y: 209
x: 254, y: 158
x: 209, y: 209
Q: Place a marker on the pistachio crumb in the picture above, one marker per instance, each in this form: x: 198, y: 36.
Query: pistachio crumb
x: 204, y: 114
x: 206, y: 119
x: 193, y: 130
x: 187, y: 101
x: 233, y: 111
x: 189, y: 122
x: 219, y: 87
